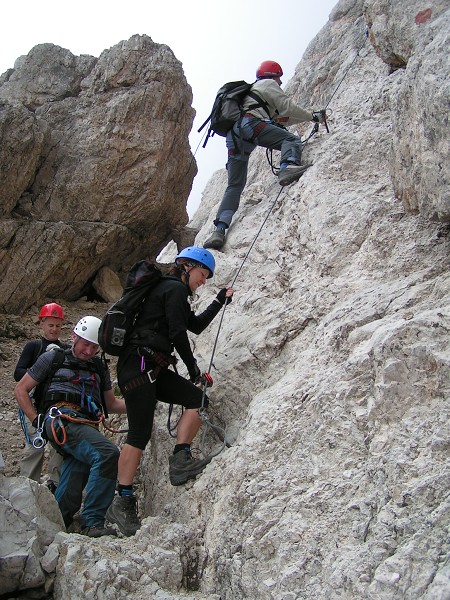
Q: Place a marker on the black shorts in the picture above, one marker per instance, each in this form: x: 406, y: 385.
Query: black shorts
x: 169, y: 387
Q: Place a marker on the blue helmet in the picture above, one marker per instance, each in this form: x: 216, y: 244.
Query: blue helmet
x: 198, y: 256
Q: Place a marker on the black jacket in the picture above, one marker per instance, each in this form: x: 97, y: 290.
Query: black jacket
x: 167, y: 312
x: 30, y: 353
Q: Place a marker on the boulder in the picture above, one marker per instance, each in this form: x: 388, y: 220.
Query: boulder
x: 29, y: 521
x: 101, y: 146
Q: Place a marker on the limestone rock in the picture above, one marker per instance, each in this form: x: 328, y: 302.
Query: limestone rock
x: 153, y: 563
x: 21, y: 145
x: 331, y: 370
x: 107, y: 285
x: 29, y: 520
x: 48, y: 73
x: 100, y: 183
x: 415, y: 40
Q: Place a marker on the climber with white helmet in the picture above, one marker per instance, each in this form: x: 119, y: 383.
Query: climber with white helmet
x: 262, y: 124
x: 144, y: 377
x: 77, y: 395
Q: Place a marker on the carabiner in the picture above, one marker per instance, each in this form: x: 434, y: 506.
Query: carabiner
x: 38, y: 441
x: 54, y: 412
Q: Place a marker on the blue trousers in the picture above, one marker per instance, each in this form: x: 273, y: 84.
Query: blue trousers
x: 254, y: 132
x: 90, y: 461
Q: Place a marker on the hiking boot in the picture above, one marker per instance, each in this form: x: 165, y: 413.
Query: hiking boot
x: 216, y: 240
x: 123, y: 512
x: 97, y: 531
x: 291, y: 173
x: 182, y: 466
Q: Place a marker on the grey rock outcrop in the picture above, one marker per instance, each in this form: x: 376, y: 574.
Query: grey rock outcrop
x: 332, y: 369
x: 95, y: 166
x: 29, y: 521
x: 416, y: 40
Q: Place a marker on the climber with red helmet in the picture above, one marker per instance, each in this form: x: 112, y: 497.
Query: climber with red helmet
x: 51, y: 319
x: 77, y: 395
x: 261, y: 125
x: 144, y: 378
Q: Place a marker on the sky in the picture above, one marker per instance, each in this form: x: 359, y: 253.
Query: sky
x: 215, y: 41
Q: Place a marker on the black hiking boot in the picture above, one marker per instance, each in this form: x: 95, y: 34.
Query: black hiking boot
x: 182, y: 466
x: 123, y: 512
x: 216, y: 240
x: 291, y: 173
x: 97, y: 531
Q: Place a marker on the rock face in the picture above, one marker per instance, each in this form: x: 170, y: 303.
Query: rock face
x: 332, y: 365
x: 95, y: 166
x: 416, y: 40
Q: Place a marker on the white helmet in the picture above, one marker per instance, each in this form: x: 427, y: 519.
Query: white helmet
x: 87, y: 328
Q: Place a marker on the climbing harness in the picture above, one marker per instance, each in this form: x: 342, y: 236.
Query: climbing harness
x: 56, y: 415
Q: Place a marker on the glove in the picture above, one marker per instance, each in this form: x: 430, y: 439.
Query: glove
x: 320, y: 116
x: 222, y: 298
x: 204, y: 379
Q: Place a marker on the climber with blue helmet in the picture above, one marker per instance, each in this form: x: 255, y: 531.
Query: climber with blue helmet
x: 144, y: 378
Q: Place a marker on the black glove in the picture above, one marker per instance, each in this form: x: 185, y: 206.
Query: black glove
x: 222, y: 298
x: 317, y: 116
x: 204, y: 380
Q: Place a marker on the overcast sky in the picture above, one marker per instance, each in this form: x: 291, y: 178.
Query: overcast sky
x: 217, y: 41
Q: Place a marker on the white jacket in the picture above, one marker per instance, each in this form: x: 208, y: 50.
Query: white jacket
x: 281, y: 108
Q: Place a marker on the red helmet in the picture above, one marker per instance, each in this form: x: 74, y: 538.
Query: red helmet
x: 51, y: 310
x: 269, y: 68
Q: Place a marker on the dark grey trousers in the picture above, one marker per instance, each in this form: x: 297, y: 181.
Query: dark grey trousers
x: 254, y: 132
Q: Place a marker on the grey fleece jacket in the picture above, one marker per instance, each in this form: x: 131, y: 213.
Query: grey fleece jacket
x: 281, y: 107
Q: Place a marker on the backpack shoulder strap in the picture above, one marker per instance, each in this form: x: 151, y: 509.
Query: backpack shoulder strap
x: 59, y: 357
x: 100, y: 367
x: 259, y: 102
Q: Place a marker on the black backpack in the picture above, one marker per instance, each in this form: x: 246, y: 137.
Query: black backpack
x: 117, y: 324
x: 227, y: 107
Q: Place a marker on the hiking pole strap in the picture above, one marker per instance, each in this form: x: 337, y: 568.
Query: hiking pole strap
x: 204, y: 124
